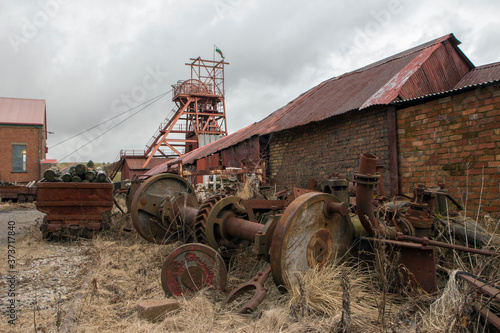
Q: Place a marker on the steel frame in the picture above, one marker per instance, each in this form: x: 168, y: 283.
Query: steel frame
x: 200, y: 111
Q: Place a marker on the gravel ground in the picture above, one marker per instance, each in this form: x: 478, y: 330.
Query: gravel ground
x: 47, y: 273
x: 23, y: 218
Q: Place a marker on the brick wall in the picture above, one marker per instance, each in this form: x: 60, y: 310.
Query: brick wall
x: 34, y: 151
x: 455, y: 139
x: 316, y: 150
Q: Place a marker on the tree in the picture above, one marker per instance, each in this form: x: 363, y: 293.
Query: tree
x: 90, y: 164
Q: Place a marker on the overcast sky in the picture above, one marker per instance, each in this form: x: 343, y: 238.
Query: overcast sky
x: 91, y: 60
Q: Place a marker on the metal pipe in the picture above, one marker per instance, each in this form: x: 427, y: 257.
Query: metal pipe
x: 365, y: 182
x: 427, y: 241
x: 241, y: 229
x: 337, y: 207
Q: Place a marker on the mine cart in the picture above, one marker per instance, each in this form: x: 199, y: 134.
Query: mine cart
x: 73, y: 208
x: 18, y: 193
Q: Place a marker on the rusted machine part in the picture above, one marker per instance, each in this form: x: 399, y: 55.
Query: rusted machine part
x: 309, y: 234
x: 192, y: 267
x: 419, y: 213
x: 262, y: 204
x: 263, y: 238
x: 257, y: 284
x: 226, y: 222
x: 164, y: 208
x: 132, y: 189
x: 337, y: 187
x: 381, y: 187
x: 366, y: 179
x: 427, y: 241
x: 199, y: 232
x: 483, y: 287
x: 415, y: 262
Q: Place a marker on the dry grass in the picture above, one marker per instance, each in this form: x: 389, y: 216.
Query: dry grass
x: 9, y: 205
x: 342, y: 298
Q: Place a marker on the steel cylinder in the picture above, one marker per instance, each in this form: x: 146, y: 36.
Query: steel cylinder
x: 241, y: 229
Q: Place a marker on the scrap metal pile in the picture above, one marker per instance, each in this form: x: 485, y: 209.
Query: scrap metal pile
x: 309, y: 229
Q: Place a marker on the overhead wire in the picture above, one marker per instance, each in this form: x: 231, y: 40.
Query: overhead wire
x: 152, y: 101
x: 118, y: 115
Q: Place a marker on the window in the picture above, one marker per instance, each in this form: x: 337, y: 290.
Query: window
x: 19, y: 157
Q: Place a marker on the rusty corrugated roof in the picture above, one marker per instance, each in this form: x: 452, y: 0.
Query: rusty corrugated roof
x: 480, y: 75
x: 21, y: 111
x: 379, y: 83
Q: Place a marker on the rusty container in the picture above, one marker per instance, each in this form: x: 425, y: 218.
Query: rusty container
x: 74, y: 206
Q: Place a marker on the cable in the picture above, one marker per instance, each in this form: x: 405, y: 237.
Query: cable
x: 91, y: 128
x: 133, y: 114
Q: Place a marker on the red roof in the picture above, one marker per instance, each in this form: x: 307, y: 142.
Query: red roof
x: 428, y: 68
x: 22, y: 111
x: 479, y: 75
x: 49, y: 161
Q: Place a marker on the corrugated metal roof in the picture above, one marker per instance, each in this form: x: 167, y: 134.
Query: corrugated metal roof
x: 377, y: 84
x: 481, y: 74
x: 22, y: 111
x: 476, y: 77
x: 136, y: 163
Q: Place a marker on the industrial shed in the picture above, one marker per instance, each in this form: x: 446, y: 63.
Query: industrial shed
x: 428, y: 113
x: 23, y: 138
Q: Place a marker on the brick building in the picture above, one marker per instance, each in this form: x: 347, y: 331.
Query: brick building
x: 23, y: 137
x: 428, y: 113
x: 454, y: 137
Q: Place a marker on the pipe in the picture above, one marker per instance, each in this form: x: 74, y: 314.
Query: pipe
x: 366, y: 180
x: 427, y: 241
x: 241, y: 229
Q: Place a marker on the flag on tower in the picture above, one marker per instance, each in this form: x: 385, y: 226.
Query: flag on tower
x: 219, y: 51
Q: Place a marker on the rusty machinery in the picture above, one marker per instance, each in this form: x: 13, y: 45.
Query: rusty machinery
x: 163, y: 208
x: 314, y: 229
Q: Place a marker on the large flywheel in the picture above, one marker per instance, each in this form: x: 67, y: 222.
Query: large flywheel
x: 313, y: 231
x: 163, y: 208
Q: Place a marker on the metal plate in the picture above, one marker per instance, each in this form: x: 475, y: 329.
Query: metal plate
x: 306, y: 236
x: 146, y: 209
x: 192, y: 267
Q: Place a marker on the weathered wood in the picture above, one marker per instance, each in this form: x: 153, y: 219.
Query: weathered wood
x: 66, y: 178
x: 51, y: 174
x: 76, y: 306
x: 72, y: 171
x: 101, y: 177
x: 76, y: 179
x: 81, y: 169
x: 90, y: 175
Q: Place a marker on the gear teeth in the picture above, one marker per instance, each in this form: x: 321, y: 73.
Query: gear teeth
x: 200, y: 230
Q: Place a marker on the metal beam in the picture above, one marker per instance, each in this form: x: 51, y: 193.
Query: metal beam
x: 392, y: 136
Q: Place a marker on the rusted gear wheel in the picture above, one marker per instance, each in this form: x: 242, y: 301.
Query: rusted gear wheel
x: 200, y: 231
x: 210, y: 219
x: 308, y: 235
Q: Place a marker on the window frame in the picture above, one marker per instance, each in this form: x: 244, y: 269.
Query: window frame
x: 22, y: 157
